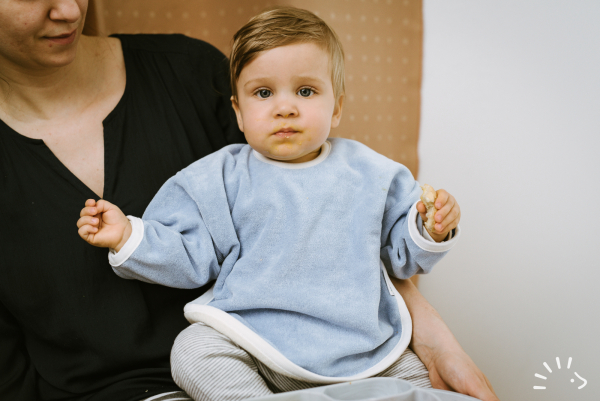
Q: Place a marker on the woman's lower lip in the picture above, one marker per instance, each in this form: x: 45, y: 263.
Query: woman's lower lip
x: 64, y: 40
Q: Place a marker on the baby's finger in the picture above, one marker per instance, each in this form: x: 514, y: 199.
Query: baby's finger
x: 450, y: 222
x: 447, y: 228
x: 86, y: 230
x: 421, y: 207
x: 90, y: 202
x: 88, y: 211
x: 441, y: 199
x: 103, y: 206
x: 92, y: 221
x: 441, y: 214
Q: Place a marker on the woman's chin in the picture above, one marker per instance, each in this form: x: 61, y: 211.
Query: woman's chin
x: 50, y: 55
x: 58, y: 60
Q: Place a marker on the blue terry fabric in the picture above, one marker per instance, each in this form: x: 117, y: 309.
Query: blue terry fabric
x: 295, y: 252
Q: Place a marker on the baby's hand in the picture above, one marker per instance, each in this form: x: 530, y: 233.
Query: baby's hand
x: 447, y: 216
x: 104, y: 225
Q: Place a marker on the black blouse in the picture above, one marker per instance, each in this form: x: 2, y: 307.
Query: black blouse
x: 70, y: 329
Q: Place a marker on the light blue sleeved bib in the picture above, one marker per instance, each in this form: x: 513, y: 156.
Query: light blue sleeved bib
x: 296, y: 251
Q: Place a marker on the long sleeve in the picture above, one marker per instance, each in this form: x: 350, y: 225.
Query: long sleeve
x: 172, y: 245
x: 405, y: 252
x: 17, y: 374
x: 187, y: 236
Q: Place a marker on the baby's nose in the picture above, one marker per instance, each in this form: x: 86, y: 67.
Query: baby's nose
x: 287, y: 114
x: 286, y: 109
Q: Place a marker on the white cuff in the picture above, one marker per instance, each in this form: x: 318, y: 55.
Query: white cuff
x: 137, y: 234
x: 422, y: 238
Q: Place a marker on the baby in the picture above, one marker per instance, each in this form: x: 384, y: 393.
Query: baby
x: 300, y: 232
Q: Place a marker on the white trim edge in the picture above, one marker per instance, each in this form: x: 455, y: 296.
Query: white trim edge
x: 137, y: 235
x: 423, y: 243
x: 162, y: 395
x: 275, y: 360
x: 203, y: 299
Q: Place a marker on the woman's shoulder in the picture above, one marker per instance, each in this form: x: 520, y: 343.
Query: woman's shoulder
x: 197, y: 65
x: 168, y: 44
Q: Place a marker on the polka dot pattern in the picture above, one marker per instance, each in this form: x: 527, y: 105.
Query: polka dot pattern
x: 382, y: 40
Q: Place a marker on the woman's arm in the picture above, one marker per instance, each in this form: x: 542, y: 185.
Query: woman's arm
x: 450, y: 368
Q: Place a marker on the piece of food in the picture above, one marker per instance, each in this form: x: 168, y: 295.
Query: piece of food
x: 428, y: 198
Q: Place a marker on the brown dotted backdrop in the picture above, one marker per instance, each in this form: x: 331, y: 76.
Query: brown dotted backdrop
x: 382, y: 40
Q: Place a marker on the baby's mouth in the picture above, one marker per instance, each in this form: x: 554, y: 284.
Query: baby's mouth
x: 286, y: 132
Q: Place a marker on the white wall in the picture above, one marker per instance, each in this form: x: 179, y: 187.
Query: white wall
x: 511, y: 127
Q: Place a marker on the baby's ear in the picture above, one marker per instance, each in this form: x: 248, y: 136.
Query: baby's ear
x: 337, y: 112
x: 238, y: 114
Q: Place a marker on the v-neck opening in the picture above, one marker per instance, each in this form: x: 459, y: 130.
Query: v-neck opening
x: 108, y: 135
x: 107, y: 155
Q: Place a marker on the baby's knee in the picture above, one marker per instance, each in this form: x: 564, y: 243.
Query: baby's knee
x: 209, y: 366
x: 193, y: 354
x: 198, y: 342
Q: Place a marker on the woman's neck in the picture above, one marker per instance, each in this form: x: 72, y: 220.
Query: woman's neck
x: 40, y: 94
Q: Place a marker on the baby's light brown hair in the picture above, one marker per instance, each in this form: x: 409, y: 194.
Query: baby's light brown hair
x: 283, y: 26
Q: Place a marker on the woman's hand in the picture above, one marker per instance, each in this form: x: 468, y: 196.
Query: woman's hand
x: 104, y: 225
x: 450, y: 368
x: 455, y: 371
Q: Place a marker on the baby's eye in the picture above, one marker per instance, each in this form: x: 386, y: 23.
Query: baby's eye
x: 264, y: 93
x: 305, y: 92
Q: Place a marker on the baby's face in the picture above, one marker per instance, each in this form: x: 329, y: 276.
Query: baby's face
x: 286, y: 106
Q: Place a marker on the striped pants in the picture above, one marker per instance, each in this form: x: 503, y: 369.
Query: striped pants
x: 209, y: 366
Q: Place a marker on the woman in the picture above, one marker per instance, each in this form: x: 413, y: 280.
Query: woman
x: 84, y: 117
